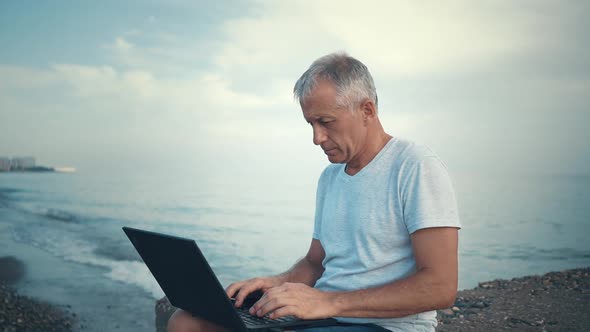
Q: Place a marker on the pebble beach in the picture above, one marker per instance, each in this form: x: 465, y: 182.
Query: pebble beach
x: 556, y: 301
x: 22, y: 313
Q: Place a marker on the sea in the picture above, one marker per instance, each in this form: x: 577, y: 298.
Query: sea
x: 66, y: 228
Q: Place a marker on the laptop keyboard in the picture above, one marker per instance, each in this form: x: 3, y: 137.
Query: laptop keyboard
x: 255, y: 320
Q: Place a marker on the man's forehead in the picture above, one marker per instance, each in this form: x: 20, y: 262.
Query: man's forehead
x: 319, y: 104
x: 314, y: 113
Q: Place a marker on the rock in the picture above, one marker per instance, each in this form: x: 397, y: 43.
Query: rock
x: 12, y: 270
x: 447, y: 312
x: 480, y: 305
x: 485, y: 285
x: 163, y: 312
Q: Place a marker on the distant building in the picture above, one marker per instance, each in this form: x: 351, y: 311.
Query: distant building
x: 21, y: 163
x: 5, y: 164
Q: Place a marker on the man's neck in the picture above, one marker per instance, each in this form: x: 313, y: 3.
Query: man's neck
x: 373, y: 147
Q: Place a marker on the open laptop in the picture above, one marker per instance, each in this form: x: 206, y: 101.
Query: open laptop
x: 188, y: 281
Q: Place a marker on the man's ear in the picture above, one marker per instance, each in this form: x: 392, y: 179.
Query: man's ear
x: 368, y: 109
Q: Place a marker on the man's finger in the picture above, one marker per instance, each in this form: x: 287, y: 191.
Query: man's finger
x: 282, y: 312
x: 268, y: 305
x: 275, y: 290
x: 269, y: 295
x: 245, y: 290
x: 273, y: 303
x: 233, y: 288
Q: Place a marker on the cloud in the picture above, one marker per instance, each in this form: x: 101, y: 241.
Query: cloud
x: 452, y: 73
x: 259, y: 57
x: 394, y: 38
x: 122, y: 45
x: 162, y: 53
x: 20, y: 77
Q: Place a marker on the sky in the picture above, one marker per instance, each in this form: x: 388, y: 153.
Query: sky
x: 490, y: 86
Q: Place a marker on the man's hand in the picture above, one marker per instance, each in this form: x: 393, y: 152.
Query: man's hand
x: 297, y: 300
x: 307, y: 271
x: 242, y: 289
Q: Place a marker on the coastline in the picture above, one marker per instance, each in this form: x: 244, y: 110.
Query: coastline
x: 35, y: 169
x: 59, y: 288
x: 556, y: 301
x: 23, y: 313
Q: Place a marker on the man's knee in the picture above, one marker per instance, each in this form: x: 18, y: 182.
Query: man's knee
x: 182, y: 321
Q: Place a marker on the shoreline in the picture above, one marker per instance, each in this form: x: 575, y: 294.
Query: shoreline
x: 24, y: 313
x: 555, y: 301
x: 98, y: 302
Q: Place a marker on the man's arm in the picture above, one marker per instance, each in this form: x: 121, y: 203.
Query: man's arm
x: 306, y: 271
x: 433, y: 286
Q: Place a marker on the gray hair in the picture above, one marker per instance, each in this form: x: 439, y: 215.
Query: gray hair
x: 351, y: 78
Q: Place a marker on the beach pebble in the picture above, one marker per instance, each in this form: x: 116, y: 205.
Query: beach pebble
x: 480, y: 305
x: 447, y: 312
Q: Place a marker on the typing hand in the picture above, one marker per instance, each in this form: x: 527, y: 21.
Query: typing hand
x: 297, y: 300
x: 242, y: 289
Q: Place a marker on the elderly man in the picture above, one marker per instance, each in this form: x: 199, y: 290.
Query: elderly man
x: 384, y: 250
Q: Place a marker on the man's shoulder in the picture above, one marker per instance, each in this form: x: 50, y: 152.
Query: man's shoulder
x: 410, y: 153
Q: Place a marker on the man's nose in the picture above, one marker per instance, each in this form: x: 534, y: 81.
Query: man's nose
x: 319, y: 135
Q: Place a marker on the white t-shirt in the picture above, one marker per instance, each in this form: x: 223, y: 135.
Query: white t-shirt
x: 364, y: 222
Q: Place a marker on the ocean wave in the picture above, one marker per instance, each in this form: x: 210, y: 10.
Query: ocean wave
x: 48, y: 213
x: 202, y: 211
x: 118, y: 252
x: 537, y: 254
x: 135, y: 273
x: 5, y: 196
x: 7, y: 190
x: 60, y: 215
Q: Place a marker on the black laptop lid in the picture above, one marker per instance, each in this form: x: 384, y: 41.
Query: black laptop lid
x: 185, y: 276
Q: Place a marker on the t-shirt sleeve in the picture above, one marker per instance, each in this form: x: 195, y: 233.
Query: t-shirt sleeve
x: 428, y: 196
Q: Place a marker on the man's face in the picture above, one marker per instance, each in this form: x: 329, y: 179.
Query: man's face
x: 339, y: 132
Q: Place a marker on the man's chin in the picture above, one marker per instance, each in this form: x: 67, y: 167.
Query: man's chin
x: 336, y: 159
